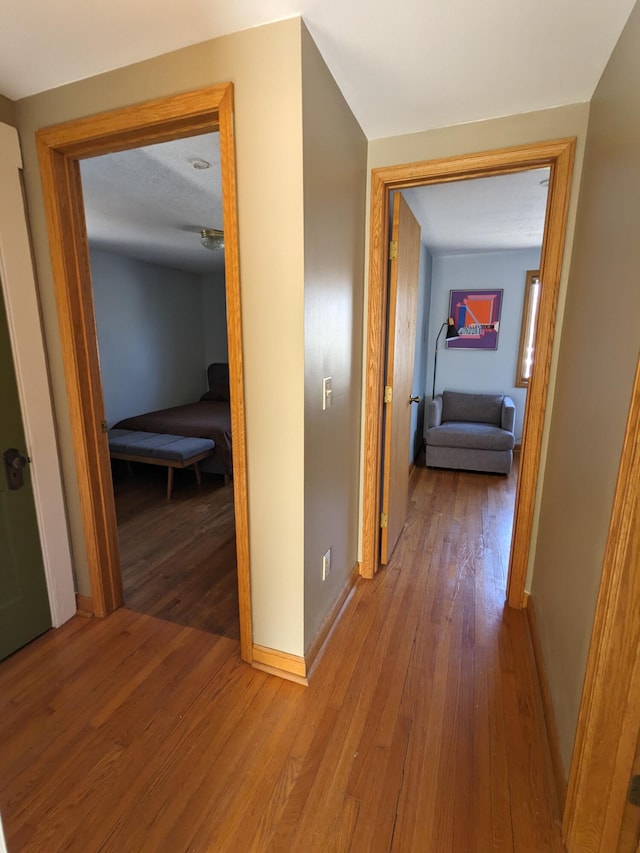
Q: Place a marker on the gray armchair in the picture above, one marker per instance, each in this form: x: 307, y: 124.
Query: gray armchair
x: 471, y: 431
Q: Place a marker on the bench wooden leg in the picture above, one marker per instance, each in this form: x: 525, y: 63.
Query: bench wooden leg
x: 169, y: 481
x: 196, y: 466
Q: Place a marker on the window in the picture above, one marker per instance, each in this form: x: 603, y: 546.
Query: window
x: 528, y: 328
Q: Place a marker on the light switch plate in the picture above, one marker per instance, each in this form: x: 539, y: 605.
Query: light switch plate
x: 327, y: 393
x: 326, y: 565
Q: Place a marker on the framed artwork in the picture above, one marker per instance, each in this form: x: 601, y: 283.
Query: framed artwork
x: 476, y: 318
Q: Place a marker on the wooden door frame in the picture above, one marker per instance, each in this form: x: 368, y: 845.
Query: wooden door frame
x: 558, y: 156
x: 60, y: 148
x: 609, y: 718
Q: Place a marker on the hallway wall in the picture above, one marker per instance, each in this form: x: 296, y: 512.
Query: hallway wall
x: 595, y: 377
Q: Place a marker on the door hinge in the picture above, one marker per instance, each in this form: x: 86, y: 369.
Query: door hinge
x: 393, y: 250
x: 633, y: 794
x: 103, y: 426
x: 388, y: 393
x: 384, y: 519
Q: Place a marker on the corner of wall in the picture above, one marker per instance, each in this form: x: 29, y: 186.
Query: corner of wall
x: 7, y: 111
x: 334, y: 169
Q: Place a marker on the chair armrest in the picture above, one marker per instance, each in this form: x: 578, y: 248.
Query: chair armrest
x: 508, y: 416
x: 435, y: 411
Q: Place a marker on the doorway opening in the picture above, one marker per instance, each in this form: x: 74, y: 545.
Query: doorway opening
x: 160, y: 312
x: 557, y: 156
x: 60, y: 149
x: 462, y: 254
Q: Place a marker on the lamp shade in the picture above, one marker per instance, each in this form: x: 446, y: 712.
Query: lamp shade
x: 452, y: 332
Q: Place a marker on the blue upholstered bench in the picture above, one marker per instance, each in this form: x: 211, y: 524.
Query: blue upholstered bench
x: 174, y: 451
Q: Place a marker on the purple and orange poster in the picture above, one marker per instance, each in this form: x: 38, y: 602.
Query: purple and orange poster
x: 476, y: 317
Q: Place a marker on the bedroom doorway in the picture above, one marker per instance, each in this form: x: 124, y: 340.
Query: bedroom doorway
x: 558, y: 157
x: 60, y: 150
x: 160, y: 312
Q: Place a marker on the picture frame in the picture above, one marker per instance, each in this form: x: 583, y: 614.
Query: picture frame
x: 476, y: 318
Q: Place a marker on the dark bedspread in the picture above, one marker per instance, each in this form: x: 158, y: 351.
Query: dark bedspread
x: 204, y: 419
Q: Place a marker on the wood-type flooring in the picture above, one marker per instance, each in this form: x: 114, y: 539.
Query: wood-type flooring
x: 421, y: 730
x: 178, y: 557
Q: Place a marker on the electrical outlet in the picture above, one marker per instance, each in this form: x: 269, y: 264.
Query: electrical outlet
x: 326, y: 565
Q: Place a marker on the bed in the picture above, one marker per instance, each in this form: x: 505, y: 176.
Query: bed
x: 209, y: 417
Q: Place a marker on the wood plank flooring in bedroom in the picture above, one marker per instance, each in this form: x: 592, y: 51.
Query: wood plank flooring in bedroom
x: 178, y: 557
x: 421, y: 730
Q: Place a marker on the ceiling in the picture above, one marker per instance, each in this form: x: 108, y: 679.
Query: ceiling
x: 473, y: 61
x: 402, y: 67
x: 484, y: 214
x: 151, y: 203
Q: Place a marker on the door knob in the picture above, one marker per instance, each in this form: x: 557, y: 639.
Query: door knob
x: 414, y: 399
x: 14, y: 462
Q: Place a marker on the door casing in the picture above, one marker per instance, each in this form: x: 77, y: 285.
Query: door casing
x: 558, y: 156
x: 27, y: 344
x: 60, y: 148
x: 608, y: 729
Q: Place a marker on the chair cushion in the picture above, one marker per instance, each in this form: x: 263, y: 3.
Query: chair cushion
x: 475, y: 436
x: 477, y: 408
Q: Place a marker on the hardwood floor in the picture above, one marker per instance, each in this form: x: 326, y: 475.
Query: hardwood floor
x: 178, y: 557
x: 421, y: 729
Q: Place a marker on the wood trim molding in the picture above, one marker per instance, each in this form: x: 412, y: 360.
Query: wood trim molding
x: 609, y: 718
x: 527, y: 325
x: 282, y: 664
x: 555, y: 228
x: 293, y: 667
x: 72, y: 279
x: 153, y: 121
x: 84, y: 605
x: 559, y: 772
x: 236, y: 366
x: 374, y: 379
x: 330, y: 621
x: 558, y: 156
x: 59, y: 150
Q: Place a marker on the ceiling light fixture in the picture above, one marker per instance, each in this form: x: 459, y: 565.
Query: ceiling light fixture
x: 212, y: 239
x: 200, y: 164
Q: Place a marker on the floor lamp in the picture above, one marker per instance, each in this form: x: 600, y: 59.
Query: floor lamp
x: 451, y: 335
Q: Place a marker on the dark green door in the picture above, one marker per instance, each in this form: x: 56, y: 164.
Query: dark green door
x: 24, y: 603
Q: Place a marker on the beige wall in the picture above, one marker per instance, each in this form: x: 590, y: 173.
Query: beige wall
x: 559, y: 123
x: 335, y: 161
x: 265, y: 66
x: 597, y: 362
x: 7, y: 111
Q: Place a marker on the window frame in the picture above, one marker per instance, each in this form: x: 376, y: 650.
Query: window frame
x: 528, y: 323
